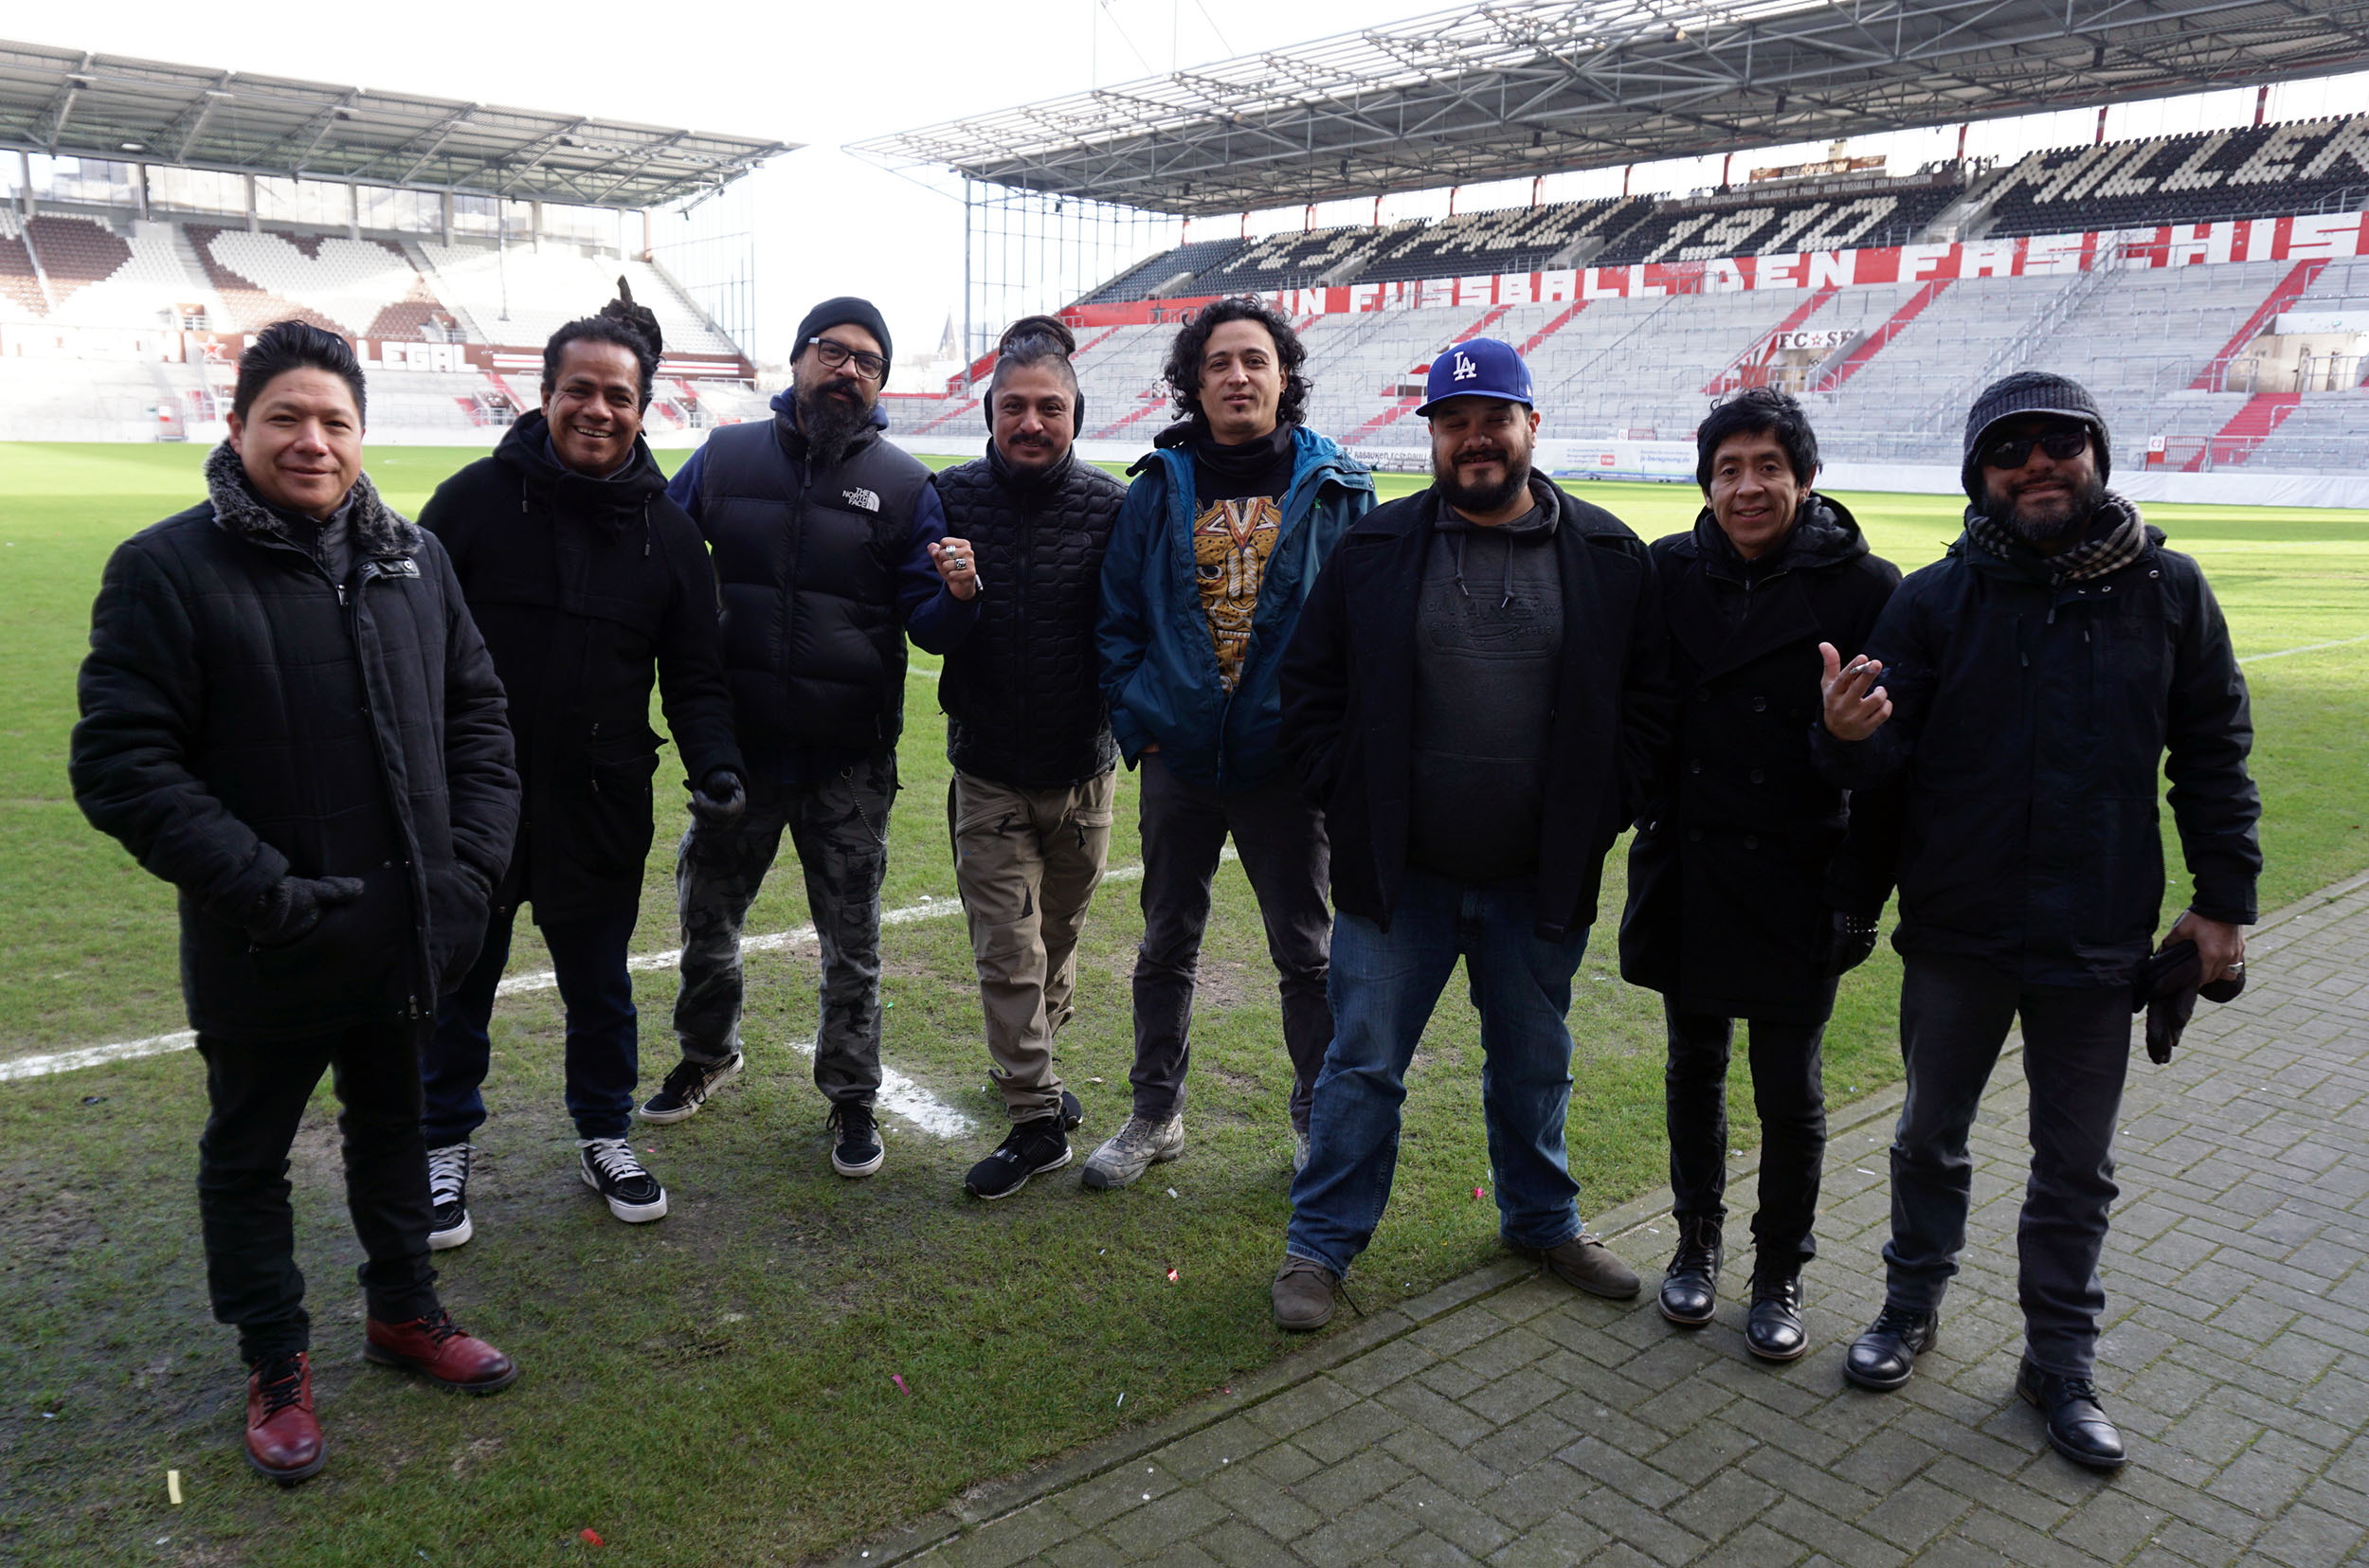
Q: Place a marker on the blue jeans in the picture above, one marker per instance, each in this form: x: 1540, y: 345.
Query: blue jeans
x: 1384, y: 985
x: 603, y: 1040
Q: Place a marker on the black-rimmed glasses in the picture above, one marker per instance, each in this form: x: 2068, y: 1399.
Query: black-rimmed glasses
x: 834, y: 353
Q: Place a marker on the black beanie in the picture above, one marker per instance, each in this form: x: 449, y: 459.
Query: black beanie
x: 845, y: 310
x: 2028, y: 392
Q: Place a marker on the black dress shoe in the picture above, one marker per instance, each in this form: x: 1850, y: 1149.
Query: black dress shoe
x: 1882, y: 1358
x: 1689, y: 1289
x: 1773, y: 1331
x: 2077, y: 1426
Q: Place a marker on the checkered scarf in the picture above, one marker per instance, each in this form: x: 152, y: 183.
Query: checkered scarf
x: 2094, y: 557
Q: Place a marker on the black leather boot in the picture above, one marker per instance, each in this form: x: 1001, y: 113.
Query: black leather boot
x: 1689, y: 1292
x: 1883, y: 1357
x: 2077, y: 1425
x: 1773, y: 1331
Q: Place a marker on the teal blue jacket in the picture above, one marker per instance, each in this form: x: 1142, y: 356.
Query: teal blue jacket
x: 1159, y: 667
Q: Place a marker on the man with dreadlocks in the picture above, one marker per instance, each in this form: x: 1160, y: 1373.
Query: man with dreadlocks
x: 1028, y: 731
x: 588, y: 583
x: 2031, y: 683
x: 831, y: 549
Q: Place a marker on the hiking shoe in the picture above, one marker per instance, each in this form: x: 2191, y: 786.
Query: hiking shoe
x: 1032, y: 1148
x: 1132, y: 1150
x: 1072, y: 1113
x: 687, y: 1087
x: 284, y: 1438
x: 856, y: 1151
x: 610, y: 1168
x: 1587, y: 1263
x: 448, y: 1196
x: 1303, y: 1294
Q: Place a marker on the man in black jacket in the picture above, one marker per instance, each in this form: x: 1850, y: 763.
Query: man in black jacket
x: 2032, y: 680
x: 588, y: 583
x: 830, y: 547
x: 1475, y: 694
x: 1029, y: 732
x: 288, y: 715
x: 1748, y: 895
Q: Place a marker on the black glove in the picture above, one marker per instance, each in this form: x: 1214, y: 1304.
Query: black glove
x: 719, y: 800
x: 1849, y: 943
x: 294, y: 905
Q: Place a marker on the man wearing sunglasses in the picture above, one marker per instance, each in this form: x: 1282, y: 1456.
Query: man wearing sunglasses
x: 830, y: 550
x: 2027, y: 687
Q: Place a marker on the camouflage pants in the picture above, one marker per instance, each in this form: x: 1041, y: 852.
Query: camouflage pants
x: 837, y: 824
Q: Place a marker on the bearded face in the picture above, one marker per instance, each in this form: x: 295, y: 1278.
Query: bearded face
x: 2044, y: 498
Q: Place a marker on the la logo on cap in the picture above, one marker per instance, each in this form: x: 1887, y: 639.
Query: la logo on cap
x: 1465, y: 369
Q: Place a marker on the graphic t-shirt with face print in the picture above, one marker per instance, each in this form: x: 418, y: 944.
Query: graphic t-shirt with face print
x: 1238, y: 515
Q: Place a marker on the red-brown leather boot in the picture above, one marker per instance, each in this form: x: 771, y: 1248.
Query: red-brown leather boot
x: 283, y: 1441
x: 435, y: 1347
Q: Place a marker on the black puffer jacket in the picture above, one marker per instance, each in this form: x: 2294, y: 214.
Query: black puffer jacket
x: 2029, y: 722
x: 1022, y: 692
x: 1349, y: 697
x: 1742, y: 857
x: 585, y: 589
x: 246, y: 719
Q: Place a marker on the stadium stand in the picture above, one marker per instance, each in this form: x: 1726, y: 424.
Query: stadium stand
x: 365, y: 287
x: 1514, y: 240
x: 74, y: 253
x: 1143, y: 279
x: 1299, y: 260
x: 2260, y: 170
x: 523, y: 296
x: 21, y: 294
x: 1746, y: 222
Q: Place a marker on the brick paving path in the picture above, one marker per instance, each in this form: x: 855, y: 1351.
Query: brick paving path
x: 1507, y: 1419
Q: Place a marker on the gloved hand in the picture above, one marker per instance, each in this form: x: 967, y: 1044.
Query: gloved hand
x: 294, y: 905
x: 1849, y: 943
x: 720, y: 800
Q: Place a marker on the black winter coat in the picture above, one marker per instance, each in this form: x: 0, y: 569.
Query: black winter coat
x: 585, y: 589
x: 1022, y: 691
x: 2029, y: 722
x: 246, y: 719
x: 1745, y: 852
x: 1349, y: 697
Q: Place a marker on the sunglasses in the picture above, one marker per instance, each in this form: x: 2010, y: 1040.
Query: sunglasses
x: 2013, y: 451
x: 834, y: 353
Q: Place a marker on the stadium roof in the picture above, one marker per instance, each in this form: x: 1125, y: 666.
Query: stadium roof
x: 76, y: 104
x: 1499, y: 90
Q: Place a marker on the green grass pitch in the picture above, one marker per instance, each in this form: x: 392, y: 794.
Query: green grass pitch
x: 717, y: 1388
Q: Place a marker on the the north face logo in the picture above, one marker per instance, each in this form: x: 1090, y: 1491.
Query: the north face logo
x: 1465, y: 369
x: 863, y: 500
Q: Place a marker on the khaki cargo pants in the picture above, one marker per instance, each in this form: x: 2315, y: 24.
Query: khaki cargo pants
x: 1027, y: 862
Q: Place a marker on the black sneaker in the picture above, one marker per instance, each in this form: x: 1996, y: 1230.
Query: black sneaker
x: 610, y: 1168
x: 687, y: 1087
x: 448, y: 1196
x: 1032, y: 1148
x: 858, y: 1152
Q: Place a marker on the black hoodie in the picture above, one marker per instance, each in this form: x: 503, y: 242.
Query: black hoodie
x: 585, y: 589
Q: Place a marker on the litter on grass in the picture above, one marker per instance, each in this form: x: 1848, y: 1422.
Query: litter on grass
x: 1171, y: 1277
x: 1477, y: 1194
x: 591, y: 1537
x: 1171, y: 1192
x: 172, y: 1486
x: 898, y: 1379
x: 1122, y: 1400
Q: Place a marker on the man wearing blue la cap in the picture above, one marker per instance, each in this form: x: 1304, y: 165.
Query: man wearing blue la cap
x: 1469, y: 655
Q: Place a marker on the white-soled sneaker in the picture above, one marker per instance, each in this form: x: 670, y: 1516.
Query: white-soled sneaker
x: 687, y: 1087
x: 1134, y: 1149
x: 448, y: 1196
x: 609, y: 1167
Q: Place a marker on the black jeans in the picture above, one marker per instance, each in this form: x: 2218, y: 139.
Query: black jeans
x: 1282, y: 839
x: 258, y: 1093
x: 604, y: 1037
x: 1954, y: 1017
x: 1788, y: 1089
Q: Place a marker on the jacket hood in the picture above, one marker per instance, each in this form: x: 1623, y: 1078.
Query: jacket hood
x: 1311, y: 451
x: 786, y: 404
x: 525, y: 451
x: 1824, y: 534
x: 375, y: 527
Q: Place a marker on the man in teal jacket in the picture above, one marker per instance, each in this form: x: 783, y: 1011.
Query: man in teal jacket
x: 1214, y: 552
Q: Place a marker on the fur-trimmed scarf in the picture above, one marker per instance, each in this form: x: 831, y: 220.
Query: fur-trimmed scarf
x: 375, y: 527
x: 2094, y: 557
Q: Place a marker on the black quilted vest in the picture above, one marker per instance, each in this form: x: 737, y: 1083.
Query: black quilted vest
x: 814, y: 647
x: 1023, y: 694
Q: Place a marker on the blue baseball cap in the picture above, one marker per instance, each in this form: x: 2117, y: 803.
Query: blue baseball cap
x: 1482, y: 366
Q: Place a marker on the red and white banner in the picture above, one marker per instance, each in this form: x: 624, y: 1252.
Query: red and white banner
x: 2329, y: 235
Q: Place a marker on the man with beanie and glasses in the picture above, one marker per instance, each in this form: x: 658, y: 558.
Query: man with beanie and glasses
x: 2026, y: 688
x: 830, y: 548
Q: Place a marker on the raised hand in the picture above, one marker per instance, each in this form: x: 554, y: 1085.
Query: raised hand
x: 957, y: 565
x: 1856, y: 707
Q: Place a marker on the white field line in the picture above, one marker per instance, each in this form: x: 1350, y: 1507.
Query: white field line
x: 898, y: 1092
x: 2306, y: 648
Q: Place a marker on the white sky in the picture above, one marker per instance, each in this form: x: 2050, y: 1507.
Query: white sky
x: 827, y: 74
